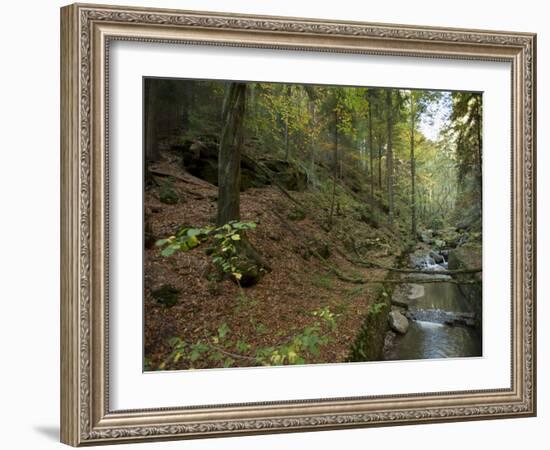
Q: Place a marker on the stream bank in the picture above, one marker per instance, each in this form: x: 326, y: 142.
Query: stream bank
x: 444, y: 314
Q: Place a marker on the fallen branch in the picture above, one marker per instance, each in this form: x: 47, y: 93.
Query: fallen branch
x: 225, y: 352
x: 367, y: 263
x: 352, y: 280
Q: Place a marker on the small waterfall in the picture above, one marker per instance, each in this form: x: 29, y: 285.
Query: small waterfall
x: 426, y: 324
x: 442, y: 323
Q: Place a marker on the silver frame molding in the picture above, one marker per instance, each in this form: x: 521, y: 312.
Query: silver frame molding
x: 86, y: 31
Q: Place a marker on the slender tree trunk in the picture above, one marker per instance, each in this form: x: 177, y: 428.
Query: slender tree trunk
x: 335, y: 170
x: 389, y: 155
x: 380, y: 162
x: 287, y: 146
x: 151, y: 120
x: 479, y: 147
x: 229, y: 157
x: 287, y: 118
x: 186, y: 107
x: 371, y: 156
x: 312, y: 149
x: 413, y: 194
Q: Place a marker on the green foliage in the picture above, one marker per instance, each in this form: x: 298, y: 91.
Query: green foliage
x: 224, y: 351
x: 244, y: 302
x: 303, y: 345
x: 223, y: 330
x: 326, y: 315
x: 437, y: 223
x: 259, y: 327
x: 226, y: 255
x: 323, y: 281
x: 377, y: 308
x: 147, y: 364
x: 166, y: 295
x: 304, y: 118
x: 296, y: 214
x: 369, y: 342
x: 224, y: 251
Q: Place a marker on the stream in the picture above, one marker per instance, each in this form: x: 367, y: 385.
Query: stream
x: 441, y: 319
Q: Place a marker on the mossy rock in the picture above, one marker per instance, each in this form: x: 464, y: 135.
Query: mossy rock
x: 469, y: 256
x: 288, y: 174
x: 166, y: 295
x: 369, y: 343
x: 296, y: 214
x: 249, y: 264
x: 168, y: 195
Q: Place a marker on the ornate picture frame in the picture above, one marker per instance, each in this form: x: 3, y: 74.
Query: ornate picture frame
x: 86, y: 34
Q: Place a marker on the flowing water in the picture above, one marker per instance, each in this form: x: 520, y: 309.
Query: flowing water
x: 441, y: 324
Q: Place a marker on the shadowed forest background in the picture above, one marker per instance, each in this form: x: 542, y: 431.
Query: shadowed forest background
x: 299, y: 224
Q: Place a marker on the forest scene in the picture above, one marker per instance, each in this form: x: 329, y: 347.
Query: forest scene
x: 289, y: 224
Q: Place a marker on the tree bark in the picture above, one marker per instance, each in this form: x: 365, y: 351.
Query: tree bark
x: 312, y: 148
x: 479, y: 147
x: 229, y: 156
x: 151, y: 120
x: 371, y: 155
x: 287, y: 118
x: 380, y: 162
x: 413, y: 168
x: 389, y: 155
x: 335, y: 171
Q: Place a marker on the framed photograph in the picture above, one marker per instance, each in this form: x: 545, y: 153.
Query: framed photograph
x: 276, y: 224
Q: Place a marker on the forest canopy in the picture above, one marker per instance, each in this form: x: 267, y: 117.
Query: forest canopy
x: 416, y: 153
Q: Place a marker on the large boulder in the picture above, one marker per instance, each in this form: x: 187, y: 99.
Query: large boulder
x: 465, y: 257
x: 288, y: 174
x: 469, y: 256
x: 201, y: 160
x: 398, y: 322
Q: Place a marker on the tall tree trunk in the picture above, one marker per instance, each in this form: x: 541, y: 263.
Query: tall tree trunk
x: 479, y: 148
x: 229, y: 156
x: 362, y: 147
x: 389, y: 155
x: 413, y: 194
x: 312, y: 149
x: 371, y: 156
x: 287, y: 118
x: 188, y: 104
x: 287, y: 146
x: 151, y: 120
x: 335, y: 170
x: 380, y: 162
